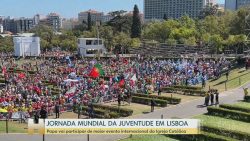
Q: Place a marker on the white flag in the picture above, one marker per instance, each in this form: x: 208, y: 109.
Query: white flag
x: 134, y: 78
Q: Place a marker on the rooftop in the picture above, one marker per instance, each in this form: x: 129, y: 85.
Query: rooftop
x: 91, y: 11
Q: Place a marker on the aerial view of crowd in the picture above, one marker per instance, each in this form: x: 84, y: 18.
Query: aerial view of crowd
x: 68, y: 81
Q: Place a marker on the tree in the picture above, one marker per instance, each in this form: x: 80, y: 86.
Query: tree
x: 46, y: 34
x: 107, y: 34
x: 120, y: 22
x: 209, y: 10
x: 6, y: 44
x: 89, y: 22
x: 136, y: 23
x: 122, y: 42
x: 239, y: 22
x: 216, y: 41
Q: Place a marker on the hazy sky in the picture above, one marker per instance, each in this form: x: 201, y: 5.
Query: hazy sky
x: 66, y: 8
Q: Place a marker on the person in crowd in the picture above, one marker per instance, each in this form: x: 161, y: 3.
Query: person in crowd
x: 153, y: 104
x: 57, y: 110
x: 119, y: 99
x: 207, y: 96
x: 245, y: 91
x: 43, y: 113
x: 79, y: 110
x: 216, y: 97
x: 227, y: 74
x: 91, y: 110
x: 212, y: 97
x: 72, y: 84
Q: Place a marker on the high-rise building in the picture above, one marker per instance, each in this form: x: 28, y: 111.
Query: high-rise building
x: 69, y: 23
x: 1, y: 19
x: 1, y: 28
x: 107, y: 18
x: 156, y: 9
x: 55, y: 21
x: 18, y: 25
x: 236, y: 4
x: 95, y: 16
x: 36, y: 19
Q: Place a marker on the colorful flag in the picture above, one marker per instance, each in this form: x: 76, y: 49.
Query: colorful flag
x: 97, y: 71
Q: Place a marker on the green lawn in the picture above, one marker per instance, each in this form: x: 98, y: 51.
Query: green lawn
x: 148, y: 138
x: 223, y: 123
x: 14, y: 127
x: 243, y: 104
x: 237, y: 77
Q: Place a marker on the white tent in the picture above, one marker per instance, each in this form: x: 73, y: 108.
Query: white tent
x: 27, y: 46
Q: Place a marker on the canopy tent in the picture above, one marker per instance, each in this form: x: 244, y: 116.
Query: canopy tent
x: 70, y: 80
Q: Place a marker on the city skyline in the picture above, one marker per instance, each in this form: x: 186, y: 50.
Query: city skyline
x: 28, y: 8
x: 18, y: 8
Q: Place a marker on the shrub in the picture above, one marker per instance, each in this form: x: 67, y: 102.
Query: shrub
x: 105, y: 111
x: 234, y: 107
x: 204, y: 136
x: 172, y: 100
x: 232, y: 114
x: 229, y: 133
x: 187, y: 87
x: 247, y: 98
x: 31, y: 72
x: 114, y: 115
x: 185, y: 91
x: 147, y: 101
x: 124, y: 112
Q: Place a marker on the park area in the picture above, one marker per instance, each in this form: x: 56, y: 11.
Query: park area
x: 218, y: 122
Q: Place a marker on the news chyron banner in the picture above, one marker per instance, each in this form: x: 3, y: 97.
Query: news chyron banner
x: 116, y: 126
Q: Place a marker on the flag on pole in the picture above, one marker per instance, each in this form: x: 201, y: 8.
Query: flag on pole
x: 97, y: 71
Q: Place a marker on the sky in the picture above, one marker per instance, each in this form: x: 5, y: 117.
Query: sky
x: 66, y: 8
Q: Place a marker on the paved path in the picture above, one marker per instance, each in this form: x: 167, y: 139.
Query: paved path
x: 183, y: 110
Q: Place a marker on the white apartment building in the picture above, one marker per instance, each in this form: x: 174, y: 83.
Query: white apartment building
x: 156, y: 9
x: 55, y: 21
x: 89, y: 47
x: 236, y: 4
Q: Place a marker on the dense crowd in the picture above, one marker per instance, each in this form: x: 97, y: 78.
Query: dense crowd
x: 66, y: 81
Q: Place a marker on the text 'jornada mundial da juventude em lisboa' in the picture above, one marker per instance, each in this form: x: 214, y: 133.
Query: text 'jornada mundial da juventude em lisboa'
x: 121, y: 126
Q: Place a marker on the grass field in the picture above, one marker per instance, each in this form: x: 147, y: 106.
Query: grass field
x: 14, y: 127
x: 148, y: 138
x: 243, y: 104
x: 237, y: 77
x: 224, y: 123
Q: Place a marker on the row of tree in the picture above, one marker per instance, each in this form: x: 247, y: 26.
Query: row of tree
x: 219, y: 30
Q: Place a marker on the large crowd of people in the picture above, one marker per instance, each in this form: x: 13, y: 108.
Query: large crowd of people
x: 67, y: 81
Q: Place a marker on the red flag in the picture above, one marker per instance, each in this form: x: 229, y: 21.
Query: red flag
x: 21, y: 75
x: 4, y: 70
x: 94, y: 73
x: 122, y: 83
